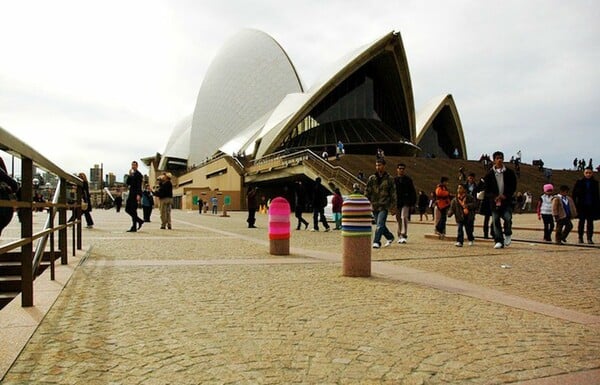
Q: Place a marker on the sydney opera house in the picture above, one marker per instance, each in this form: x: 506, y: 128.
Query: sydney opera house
x: 256, y: 123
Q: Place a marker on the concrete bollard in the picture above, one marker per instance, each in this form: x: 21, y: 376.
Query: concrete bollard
x: 356, y: 236
x: 279, y: 227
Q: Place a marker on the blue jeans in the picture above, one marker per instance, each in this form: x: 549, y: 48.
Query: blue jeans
x: 380, y: 226
x: 503, y: 212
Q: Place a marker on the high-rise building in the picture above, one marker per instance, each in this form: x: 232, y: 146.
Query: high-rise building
x: 95, y: 177
x: 110, y: 179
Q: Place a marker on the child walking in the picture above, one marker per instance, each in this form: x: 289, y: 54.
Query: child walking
x: 544, y: 211
x: 336, y: 203
x: 563, y: 209
x: 463, y: 208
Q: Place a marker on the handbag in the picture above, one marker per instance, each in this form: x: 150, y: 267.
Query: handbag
x: 84, y: 206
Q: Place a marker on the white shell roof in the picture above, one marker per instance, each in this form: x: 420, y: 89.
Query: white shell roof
x: 430, y: 111
x: 178, y: 145
x: 248, y: 78
x: 426, y: 113
x: 331, y: 75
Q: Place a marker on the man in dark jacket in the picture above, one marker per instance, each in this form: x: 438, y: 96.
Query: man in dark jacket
x: 319, y: 202
x: 134, y: 181
x: 406, y: 196
x: 299, y: 203
x: 587, y: 201
x: 500, y: 186
x: 8, y: 188
x: 252, y: 205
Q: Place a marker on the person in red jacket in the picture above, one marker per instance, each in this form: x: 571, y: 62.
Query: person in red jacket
x: 336, y: 203
x: 442, y: 198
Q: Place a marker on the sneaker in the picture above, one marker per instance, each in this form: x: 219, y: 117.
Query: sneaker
x: 89, y: 227
x: 327, y: 229
x: 402, y: 240
x: 458, y: 244
x: 507, y: 240
x: 498, y: 245
x: 470, y: 243
x: 314, y: 229
x: 376, y: 245
x: 388, y: 242
x: 590, y: 242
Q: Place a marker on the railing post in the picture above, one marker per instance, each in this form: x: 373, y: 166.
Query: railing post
x: 26, y: 232
x: 62, y: 219
x: 78, y: 199
x: 52, y: 266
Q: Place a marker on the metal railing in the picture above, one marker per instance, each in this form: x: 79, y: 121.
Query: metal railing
x: 25, y: 206
x: 337, y: 175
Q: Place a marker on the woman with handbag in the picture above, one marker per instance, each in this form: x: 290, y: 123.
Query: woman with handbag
x: 86, y: 205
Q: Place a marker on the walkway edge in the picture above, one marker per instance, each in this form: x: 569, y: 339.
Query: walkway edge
x: 17, y: 323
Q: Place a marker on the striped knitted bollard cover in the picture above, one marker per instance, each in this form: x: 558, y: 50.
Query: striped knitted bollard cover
x: 279, y: 227
x: 356, y: 236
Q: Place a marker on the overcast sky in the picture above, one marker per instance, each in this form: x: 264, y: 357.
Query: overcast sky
x: 89, y: 82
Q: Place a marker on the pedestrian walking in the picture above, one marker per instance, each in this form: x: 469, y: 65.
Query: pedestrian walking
x: 544, y: 211
x: 500, y: 187
x: 251, y: 204
x: 336, y: 208
x: 442, y: 198
x: 381, y: 191
x: 423, y: 205
x: 134, y: 182
x: 406, y: 198
x: 300, y: 204
x: 462, y: 207
x: 318, y: 203
x: 587, y: 200
x: 147, y: 202
x: 87, y: 202
x: 118, y: 202
x: 165, y: 198
x: 563, y: 210
x: 214, y: 201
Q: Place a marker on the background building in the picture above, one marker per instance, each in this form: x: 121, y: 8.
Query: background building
x: 255, y: 121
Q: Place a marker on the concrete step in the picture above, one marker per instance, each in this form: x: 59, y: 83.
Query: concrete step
x: 5, y: 298
x: 10, y: 283
x: 10, y: 268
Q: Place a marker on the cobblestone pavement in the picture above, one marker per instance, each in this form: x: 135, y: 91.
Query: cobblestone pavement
x: 205, y: 303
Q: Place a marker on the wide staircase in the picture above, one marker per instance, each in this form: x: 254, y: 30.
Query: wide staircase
x: 10, y: 275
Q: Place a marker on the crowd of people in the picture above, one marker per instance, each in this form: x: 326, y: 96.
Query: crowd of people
x: 494, y: 197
